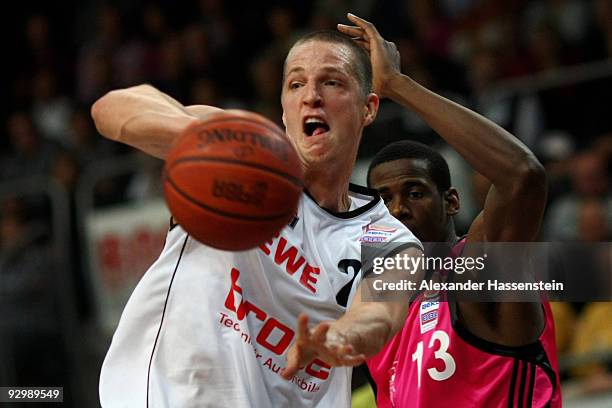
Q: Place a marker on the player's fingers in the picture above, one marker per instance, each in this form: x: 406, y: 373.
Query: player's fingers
x: 353, y: 360
x: 357, y: 34
x: 319, y: 334
x: 293, y: 364
x: 363, y: 43
x: 347, y: 349
x: 368, y: 27
x: 352, y: 31
x: 335, y: 351
x: 289, y: 371
x: 303, y: 332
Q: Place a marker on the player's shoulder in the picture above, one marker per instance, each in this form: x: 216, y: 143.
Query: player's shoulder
x: 379, y: 226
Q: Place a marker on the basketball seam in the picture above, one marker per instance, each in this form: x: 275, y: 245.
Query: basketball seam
x: 225, y: 213
x: 293, y: 180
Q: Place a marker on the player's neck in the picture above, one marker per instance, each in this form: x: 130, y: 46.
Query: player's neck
x: 327, y: 181
x: 329, y: 192
x: 451, y: 233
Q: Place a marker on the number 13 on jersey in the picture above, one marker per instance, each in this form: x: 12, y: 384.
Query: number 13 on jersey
x: 440, y: 353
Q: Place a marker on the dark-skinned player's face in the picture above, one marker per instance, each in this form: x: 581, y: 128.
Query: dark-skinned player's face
x: 412, y: 197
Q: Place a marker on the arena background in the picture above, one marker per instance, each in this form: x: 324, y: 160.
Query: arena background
x: 82, y: 218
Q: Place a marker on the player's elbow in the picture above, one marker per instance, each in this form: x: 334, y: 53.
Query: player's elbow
x: 531, y: 178
x: 101, y: 113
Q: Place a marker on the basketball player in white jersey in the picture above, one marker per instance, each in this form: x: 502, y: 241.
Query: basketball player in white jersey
x: 206, y: 327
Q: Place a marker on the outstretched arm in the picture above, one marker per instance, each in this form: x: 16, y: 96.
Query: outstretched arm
x: 144, y: 117
x: 361, y: 333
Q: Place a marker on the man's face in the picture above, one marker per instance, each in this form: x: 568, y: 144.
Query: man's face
x: 324, y: 108
x: 412, y: 197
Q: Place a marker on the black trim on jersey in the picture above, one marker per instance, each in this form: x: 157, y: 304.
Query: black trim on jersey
x: 172, y: 224
x: 532, y: 372
x: 513, y: 383
x: 358, y: 211
x: 521, y: 393
x: 533, y: 353
x: 178, y: 261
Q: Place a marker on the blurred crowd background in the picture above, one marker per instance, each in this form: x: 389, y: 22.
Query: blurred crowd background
x: 541, y: 68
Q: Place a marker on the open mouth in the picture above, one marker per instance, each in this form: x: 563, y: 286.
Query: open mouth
x: 315, y: 126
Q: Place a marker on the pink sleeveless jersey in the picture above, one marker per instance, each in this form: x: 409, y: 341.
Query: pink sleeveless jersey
x: 434, y: 361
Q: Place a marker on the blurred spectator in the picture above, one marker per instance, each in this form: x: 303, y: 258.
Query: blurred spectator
x: 51, y: 110
x: 28, y: 299
x: 545, y: 47
x: 204, y: 92
x: 65, y: 170
x: 146, y: 182
x: 593, y: 225
x: 265, y: 74
x: 592, y: 335
x: 219, y: 29
x: 281, y: 24
x: 565, y: 325
x: 602, y: 32
x: 196, y: 53
x: 25, y: 259
x: 84, y: 142
x: 432, y: 29
x: 28, y: 154
x: 590, y: 180
x: 170, y: 76
x: 42, y: 48
x: 521, y: 114
x: 94, y: 64
x: 555, y: 149
x: 569, y: 17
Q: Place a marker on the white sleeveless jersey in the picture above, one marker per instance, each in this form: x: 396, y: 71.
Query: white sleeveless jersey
x: 211, y: 328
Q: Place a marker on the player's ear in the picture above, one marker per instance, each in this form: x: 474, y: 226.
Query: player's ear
x: 451, y: 197
x: 370, y: 109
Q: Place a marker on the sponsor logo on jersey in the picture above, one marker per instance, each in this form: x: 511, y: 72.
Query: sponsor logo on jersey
x: 429, y: 305
x: 293, y: 260
x: 273, y: 335
x: 392, y: 389
x: 428, y: 315
x: 377, y: 233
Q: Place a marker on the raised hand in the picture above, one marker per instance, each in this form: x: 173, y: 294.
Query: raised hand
x: 321, y: 342
x: 384, y: 56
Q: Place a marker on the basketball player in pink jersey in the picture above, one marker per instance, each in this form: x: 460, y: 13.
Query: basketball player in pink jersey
x: 459, y: 353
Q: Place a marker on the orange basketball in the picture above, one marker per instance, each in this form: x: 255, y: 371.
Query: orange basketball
x: 232, y: 180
